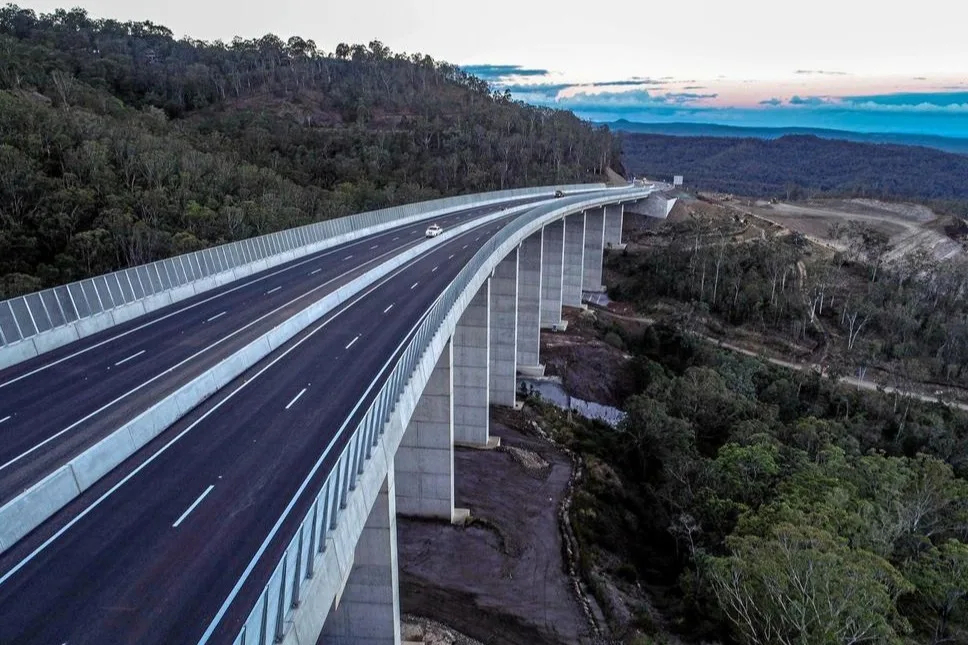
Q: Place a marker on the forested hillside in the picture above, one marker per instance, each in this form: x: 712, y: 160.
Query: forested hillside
x: 799, y: 166
x: 120, y: 144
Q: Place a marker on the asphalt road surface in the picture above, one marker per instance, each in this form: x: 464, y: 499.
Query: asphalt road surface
x: 152, y: 551
x: 58, y: 404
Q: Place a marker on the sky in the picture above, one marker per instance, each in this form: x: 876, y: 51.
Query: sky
x: 858, y: 65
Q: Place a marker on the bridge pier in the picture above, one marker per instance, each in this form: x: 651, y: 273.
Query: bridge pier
x: 504, y: 330
x: 368, y: 610
x: 614, y: 219
x: 529, y: 305
x: 424, y: 462
x: 552, y: 263
x: 574, y: 260
x: 472, y: 371
x: 594, y: 249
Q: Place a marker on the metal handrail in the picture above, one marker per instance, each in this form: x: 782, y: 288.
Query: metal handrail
x: 25, y: 317
x: 269, y: 616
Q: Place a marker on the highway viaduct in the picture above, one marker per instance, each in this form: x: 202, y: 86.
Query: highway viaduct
x: 217, y: 450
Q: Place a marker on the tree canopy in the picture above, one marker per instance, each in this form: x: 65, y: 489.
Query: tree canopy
x: 120, y: 144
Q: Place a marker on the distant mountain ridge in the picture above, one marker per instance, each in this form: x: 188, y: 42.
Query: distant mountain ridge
x: 948, y: 144
x: 799, y: 165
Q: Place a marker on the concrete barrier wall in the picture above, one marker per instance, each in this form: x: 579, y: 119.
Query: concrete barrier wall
x: 29, y: 509
x: 39, y: 322
x: 339, y: 511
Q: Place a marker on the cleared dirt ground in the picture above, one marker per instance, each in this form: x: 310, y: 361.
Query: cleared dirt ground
x: 500, y: 579
x: 909, y: 226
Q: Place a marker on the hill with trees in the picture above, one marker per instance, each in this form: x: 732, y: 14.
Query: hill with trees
x: 120, y: 144
x: 797, y: 166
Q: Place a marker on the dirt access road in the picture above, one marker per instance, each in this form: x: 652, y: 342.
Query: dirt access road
x: 501, y: 579
x: 909, y: 226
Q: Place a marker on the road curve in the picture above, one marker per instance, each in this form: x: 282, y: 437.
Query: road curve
x: 56, y: 405
x: 149, y: 554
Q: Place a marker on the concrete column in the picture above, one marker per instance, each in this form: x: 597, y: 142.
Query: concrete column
x: 594, y: 242
x: 574, y: 260
x: 504, y: 330
x: 614, y: 219
x: 368, y: 612
x: 552, y: 260
x: 471, y: 371
x: 529, y: 304
x: 424, y: 462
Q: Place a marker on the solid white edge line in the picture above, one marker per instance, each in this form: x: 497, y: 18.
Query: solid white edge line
x: 208, y: 413
x: 296, y: 398
x: 189, y: 358
x: 77, y: 518
x: 351, y: 342
x: 216, y: 316
x: 125, y: 360
x: 312, y: 473
x: 192, y: 507
x: 312, y: 257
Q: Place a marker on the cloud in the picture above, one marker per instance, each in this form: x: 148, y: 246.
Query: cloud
x: 688, y: 97
x: 822, y: 72
x: 492, y: 72
x: 629, y: 82
x: 807, y: 100
x: 550, y: 90
x: 653, y: 100
x: 913, y: 99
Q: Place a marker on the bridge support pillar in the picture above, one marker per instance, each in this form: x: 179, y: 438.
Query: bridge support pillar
x: 529, y: 305
x: 552, y: 262
x: 471, y: 371
x: 504, y: 330
x: 424, y: 462
x: 574, y: 260
x: 614, y: 219
x: 594, y: 245
x: 368, y: 611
